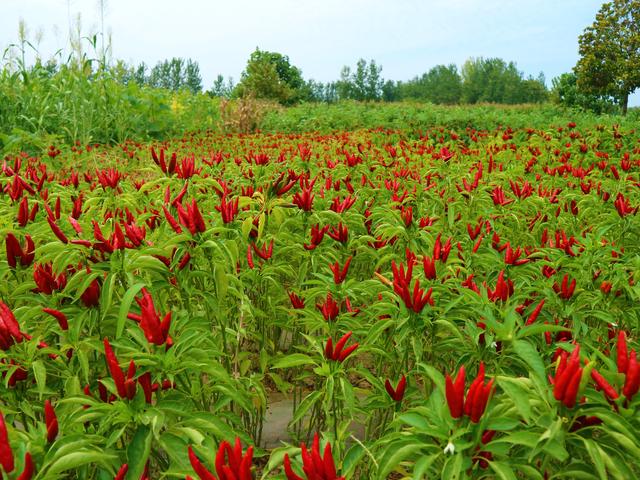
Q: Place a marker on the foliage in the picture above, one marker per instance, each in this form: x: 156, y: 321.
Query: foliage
x: 609, y: 63
x: 243, y: 115
x: 414, y: 117
x: 363, y: 84
x: 176, y: 74
x: 566, y: 91
x: 221, y: 89
x: 493, y: 80
x: 456, y: 302
x: 78, y: 100
x: 440, y: 85
x: 270, y: 75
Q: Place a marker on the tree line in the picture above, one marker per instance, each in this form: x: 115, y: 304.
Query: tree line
x: 270, y: 75
x: 607, y: 72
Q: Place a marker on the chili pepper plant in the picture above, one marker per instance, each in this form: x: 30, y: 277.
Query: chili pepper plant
x: 432, y: 304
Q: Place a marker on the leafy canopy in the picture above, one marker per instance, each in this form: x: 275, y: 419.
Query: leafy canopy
x: 609, y: 50
x: 270, y: 75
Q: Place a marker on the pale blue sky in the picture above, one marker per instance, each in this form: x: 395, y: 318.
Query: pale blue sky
x: 407, y: 37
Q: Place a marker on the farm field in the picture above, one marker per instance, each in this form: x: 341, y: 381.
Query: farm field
x: 433, y: 302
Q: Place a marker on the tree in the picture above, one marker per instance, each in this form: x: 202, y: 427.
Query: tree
x: 344, y: 86
x: 495, y: 81
x: 220, y: 88
x: 362, y: 84
x: 609, y: 51
x: 193, y: 80
x: 270, y: 75
x: 176, y: 74
x: 565, y: 91
x: 441, y: 84
x: 390, y: 91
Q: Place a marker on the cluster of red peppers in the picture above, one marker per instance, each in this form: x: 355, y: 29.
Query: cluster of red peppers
x: 6, y: 455
x: 314, y: 465
x: 627, y: 363
x: 478, y: 394
x: 566, y: 382
x: 338, y: 353
x: 230, y: 463
x: 414, y: 299
x: 155, y: 330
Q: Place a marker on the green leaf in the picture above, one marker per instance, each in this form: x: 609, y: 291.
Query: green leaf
x: 352, y: 457
x: 125, y: 305
x: 138, y: 452
x: 503, y: 470
x: 519, y: 393
x: 40, y: 375
x: 222, y: 283
x: 452, y: 468
x: 106, y: 294
x: 395, y: 454
x: 75, y: 460
x: 530, y: 355
x: 293, y: 360
x: 304, y: 406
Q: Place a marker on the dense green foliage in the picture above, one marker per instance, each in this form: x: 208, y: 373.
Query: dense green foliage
x: 271, y: 76
x: 609, y: 61
x: 76, y: 101
x: 175, y: 74
x: 480, y: 80
x: 567, y: 92
x: 175, y: 290
x: 415, y: 117
x: 440, y: 85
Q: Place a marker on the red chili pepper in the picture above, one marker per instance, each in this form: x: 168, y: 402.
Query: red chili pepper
x: 473, y: 390
x: 9, y: 328
x: 623, y: 356
x: 429, y: 267
x: 51, y: 421
x: 480, y: 400
x: 228, y: 209
x: 6, y: 454
x: 396, y: 393
x: 536, y: 311
x: 172, y: 221
x: 297, y: 301
x: 632, y: 380
x: 567, y: 379
x: 476, y: 246
x: 28, y: 470
x: 250, y: 257
x: 122, y: 473
x: 337, y: 353
x: 230, y: 463
x: 339, y: 274
x: 571, y: 392
x: 605, y: 386
x: 15, y: 251
x: 115, y: 370
x: 264, y: 252
x: 339, y: 233
x: 145, y: 382
x: 314, y: 465
x: 184, y: 261
x: 455, y: 393
x: 155, y: 330
x: 57, y: 231
x: 329, y: 308
x: 304, y: 199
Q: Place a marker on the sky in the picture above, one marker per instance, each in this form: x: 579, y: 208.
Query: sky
x: 406, y: 37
